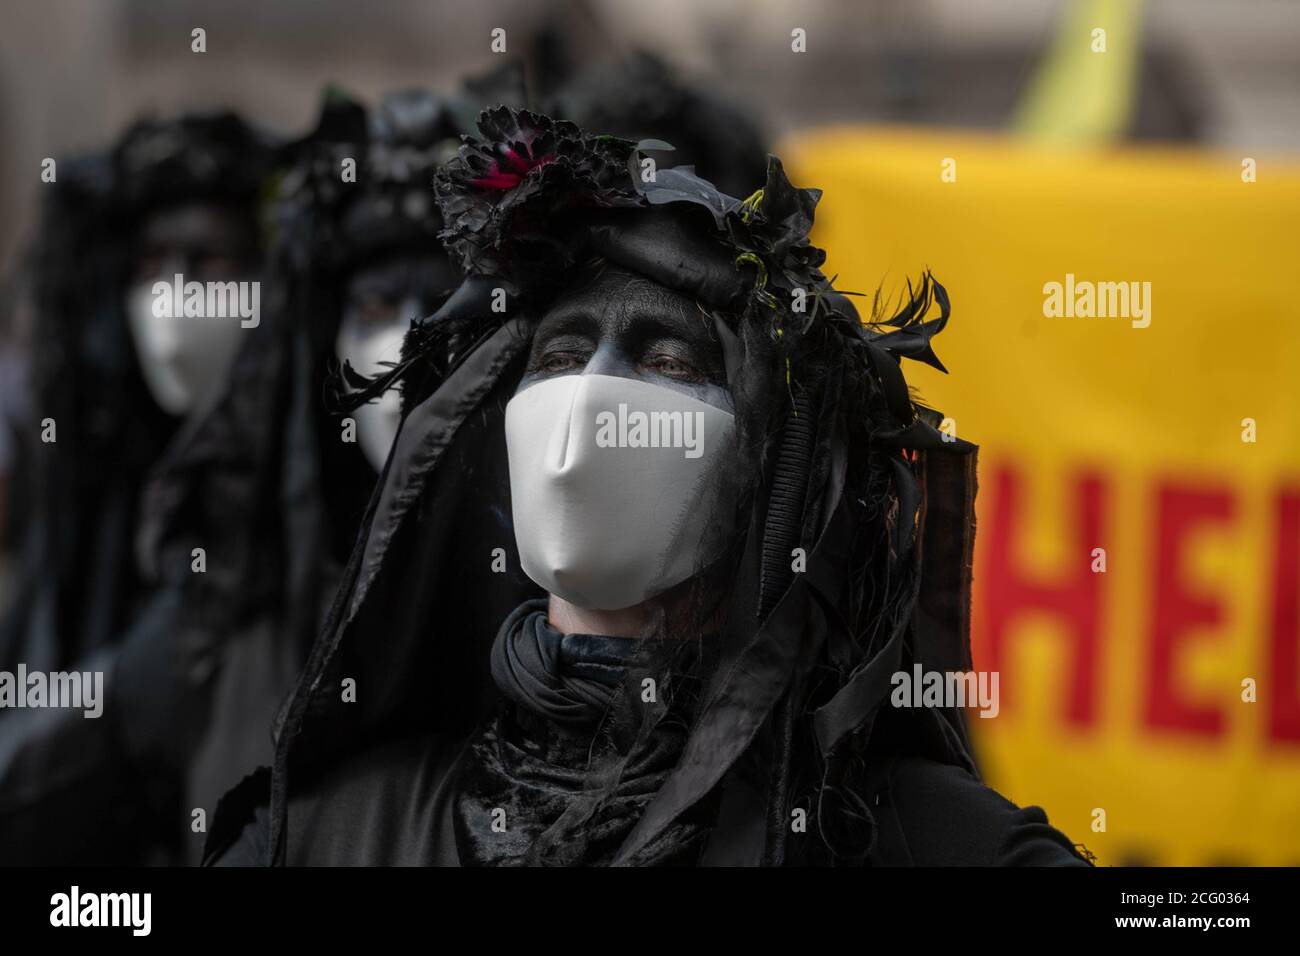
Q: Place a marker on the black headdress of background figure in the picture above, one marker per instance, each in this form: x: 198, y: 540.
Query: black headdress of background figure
x: 850, y: 469
x: 82, y: 587
x: 639, y: 97
x: 265, y: 483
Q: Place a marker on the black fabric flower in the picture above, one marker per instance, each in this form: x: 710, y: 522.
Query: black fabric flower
x: 504, y: 196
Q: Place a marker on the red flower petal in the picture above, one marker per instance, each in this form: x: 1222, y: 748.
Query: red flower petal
x: 495, y: 179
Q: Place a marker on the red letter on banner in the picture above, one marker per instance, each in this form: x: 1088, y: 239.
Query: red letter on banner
x: 1176, y: 609
x: 1283, y: 686
x: 1011, y: 590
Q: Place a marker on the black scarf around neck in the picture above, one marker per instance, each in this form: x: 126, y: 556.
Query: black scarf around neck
x: 561, y: 773
x: 568, y: 678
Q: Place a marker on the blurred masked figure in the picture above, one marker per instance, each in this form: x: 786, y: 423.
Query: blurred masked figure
x: 147, y: 281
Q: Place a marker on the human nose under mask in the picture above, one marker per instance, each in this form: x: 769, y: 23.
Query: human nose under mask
x: 372, y: 348
x: 613, y: 483
x: 183, y: 359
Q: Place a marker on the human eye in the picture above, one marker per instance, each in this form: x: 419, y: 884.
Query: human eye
x: 558, y: 361
x: 559, y: 352
x: 673, y: 367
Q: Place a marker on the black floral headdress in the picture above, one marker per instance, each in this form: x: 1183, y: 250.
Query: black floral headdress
x: 517, y: 204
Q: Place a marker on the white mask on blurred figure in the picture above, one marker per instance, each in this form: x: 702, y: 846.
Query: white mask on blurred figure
x: 184, y: 359
x: 373, y: 347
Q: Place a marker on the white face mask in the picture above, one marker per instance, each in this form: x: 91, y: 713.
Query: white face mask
x: 184, y: 359
x: 368, y: 346
x: 603, y: 518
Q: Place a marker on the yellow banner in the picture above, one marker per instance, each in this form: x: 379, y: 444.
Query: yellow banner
x: 1125, y: 348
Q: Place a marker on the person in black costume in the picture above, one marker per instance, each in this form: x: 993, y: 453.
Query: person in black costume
x: 380, y: 265
x: 272, y: 482
x: 265, y: 482
x: 170, y: 194
x: 115, y: 381
x: 353, y: 258
x: 578, y: 630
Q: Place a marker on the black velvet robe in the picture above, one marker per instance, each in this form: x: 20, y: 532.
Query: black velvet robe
x: 393, y: 806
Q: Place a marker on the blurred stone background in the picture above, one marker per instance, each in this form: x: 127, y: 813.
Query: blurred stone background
x: 73, y: 72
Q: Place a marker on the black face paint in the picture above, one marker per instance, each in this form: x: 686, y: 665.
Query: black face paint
x: 395, y: 288
x: 185, y: 362
x: 625, y: 325
x: 204, y: 241
x: 379, y: 303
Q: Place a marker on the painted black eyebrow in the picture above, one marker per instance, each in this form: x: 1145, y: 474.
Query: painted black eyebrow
x: 674, y: 325
x: 671, y: 320
x: 569, y: 319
